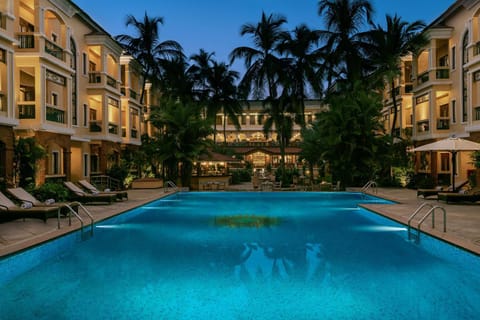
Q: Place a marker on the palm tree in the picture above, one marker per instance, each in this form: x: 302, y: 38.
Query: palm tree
x: 145, y: 46
x: 304, y: 61
x: 389, y: 45
x: 344, y: 41
x: 223, y: 95
x: 261, y: 62
x: 200, y: 70
x: 176, y: 81
x: 310, y: 151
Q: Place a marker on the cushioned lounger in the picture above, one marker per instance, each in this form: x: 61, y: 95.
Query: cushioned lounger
x: 10, y: 211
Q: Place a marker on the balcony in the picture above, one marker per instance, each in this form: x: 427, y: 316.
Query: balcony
x: 96, y: 126
x: 3, y: 21
x: 26, y: 40
x: 443, y: 124
x: 26, y: 111
x: 423, y: 77
x: 442, y: 73
x: 408, y: 88
x: 477, y: 113
x: 133, y: 94
x: 423, y: 126
x: 134, y: 133
x: 94, y: 77
x: 111, y: 82
x: 55, y: 115
x: 112, y: 128
x: 476, y: 49
x: 54, y: 50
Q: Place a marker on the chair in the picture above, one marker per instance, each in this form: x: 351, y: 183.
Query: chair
x: 435, y: 191
x: 21, y: 195
x: 83, y: 197
x: 472, y: 195
x: 92, y: 189
x: 10, y: 211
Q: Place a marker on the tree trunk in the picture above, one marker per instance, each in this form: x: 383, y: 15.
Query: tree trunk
x: 394, y: 100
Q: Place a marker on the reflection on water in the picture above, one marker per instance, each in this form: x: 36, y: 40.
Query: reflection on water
x: 263, y: 262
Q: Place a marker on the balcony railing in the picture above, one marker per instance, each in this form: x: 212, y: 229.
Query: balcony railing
x: 112, y: 128
x: 96, y: 126
x: 54, y: 50
x: 111, y: 82
x: 476, y: 49
x: 477, y: 113
x: 134, y: 133
x: 423, y: 126
x: 443, y: 124
x: 55, y: 115
x: 133, y: 94
x: 408, y: 88
x: 443, y: 73
x: 424, y: 77
x: 26, y: 41
x: 94, y: 77
x: 26, y: 111
x: 3, y: 21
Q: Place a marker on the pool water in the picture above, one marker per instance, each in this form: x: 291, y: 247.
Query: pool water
x: 246, y: 256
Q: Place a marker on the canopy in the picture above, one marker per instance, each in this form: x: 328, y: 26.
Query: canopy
x: 453, y: 145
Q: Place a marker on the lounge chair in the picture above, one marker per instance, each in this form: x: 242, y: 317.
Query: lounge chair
x: 435, y: 191
x: 92, y: 189
x: 21, y: 195
x: 10, y: 211
x: 78, y: 194
x: 472, y: 195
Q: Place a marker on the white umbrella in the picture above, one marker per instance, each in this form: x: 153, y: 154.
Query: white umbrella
x: 452, y: 145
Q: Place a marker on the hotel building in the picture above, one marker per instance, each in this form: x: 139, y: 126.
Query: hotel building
x: 438, y: 93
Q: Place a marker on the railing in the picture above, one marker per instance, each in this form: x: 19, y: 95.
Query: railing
x: 370, y: 185
x: 26, y: 111
x: 54, y: 50
x: 443, y: 73
x: 103, y: 182
x: 430, y: 212
x: 424, y: 77
x: 133, y: 133
x: 78, y: 216
x: 408, y: 88
x: 170, y: 185
x: 26, y: 40
x: 423, y: 126
x: 111, y: 82
x: 96, y: 126
x: 477, y: 113
x: 94, y: 77
x: 112, y: 128
x: 55, y: 115
x: 133, y: 94
x: 476, y: 49
x: 443, y: 124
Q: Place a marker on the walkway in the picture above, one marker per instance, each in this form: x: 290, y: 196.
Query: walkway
x: 463, y: 225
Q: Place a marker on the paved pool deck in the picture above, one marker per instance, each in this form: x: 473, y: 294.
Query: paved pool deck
x: 463, y: 220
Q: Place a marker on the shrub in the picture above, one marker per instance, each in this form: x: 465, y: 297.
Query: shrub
x: 239, y: 176
x: 51, y: 190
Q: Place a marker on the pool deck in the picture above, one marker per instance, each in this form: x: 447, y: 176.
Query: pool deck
x: 463, y: 220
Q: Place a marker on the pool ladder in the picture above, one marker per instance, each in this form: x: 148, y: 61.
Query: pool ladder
x: 429, y: 212
x: 171, y: 185
x: 82, y: 222
x: 372, y: 185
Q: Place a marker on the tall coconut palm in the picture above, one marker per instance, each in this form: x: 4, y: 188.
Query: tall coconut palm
x: 200, y: 70
x: 261, y: 61
x: 145, y: 45
x: 304, y: 61
x: 223, y: 95
x: 389, y: 45
x: 344, y: 46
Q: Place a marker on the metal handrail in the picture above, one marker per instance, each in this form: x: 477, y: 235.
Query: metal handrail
x: 78, y: 216
x: 414, y: 214
x: 370, y: 185
x: 430, y: 212
x: 170, y: 184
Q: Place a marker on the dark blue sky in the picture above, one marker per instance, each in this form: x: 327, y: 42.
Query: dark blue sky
x: 214, y: 24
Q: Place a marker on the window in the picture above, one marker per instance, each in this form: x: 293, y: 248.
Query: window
x: 443, y: 61
x: 92, y: 66
x: 54, y: 99
x: 454, y: 111
x: 94, y: 161
x: 444, y: 111
x: 252, y: 119
x: 444, y: 162
x: 3, y: 55
x: 55, y: 162
x: 54, y: 38
x: 85, y: 115
x: 453, y: 58
x: 244, y: 119
x: 85, y: 164
x: 84, y: 63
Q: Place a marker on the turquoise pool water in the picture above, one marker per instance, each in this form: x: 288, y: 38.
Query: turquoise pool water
x: 243, y: 256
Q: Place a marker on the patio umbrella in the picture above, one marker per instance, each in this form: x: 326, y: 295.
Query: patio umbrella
x: 452, y: 145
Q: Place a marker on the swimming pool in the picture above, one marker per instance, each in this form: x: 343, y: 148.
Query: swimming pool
x: 284, y: 255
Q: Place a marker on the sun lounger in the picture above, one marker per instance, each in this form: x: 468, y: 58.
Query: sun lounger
x: 435, y: 191
x: 93, y: 190
x: 10, y: 211
x: 22, y: 195
x: 472, y: 195
x: 78, y: 194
